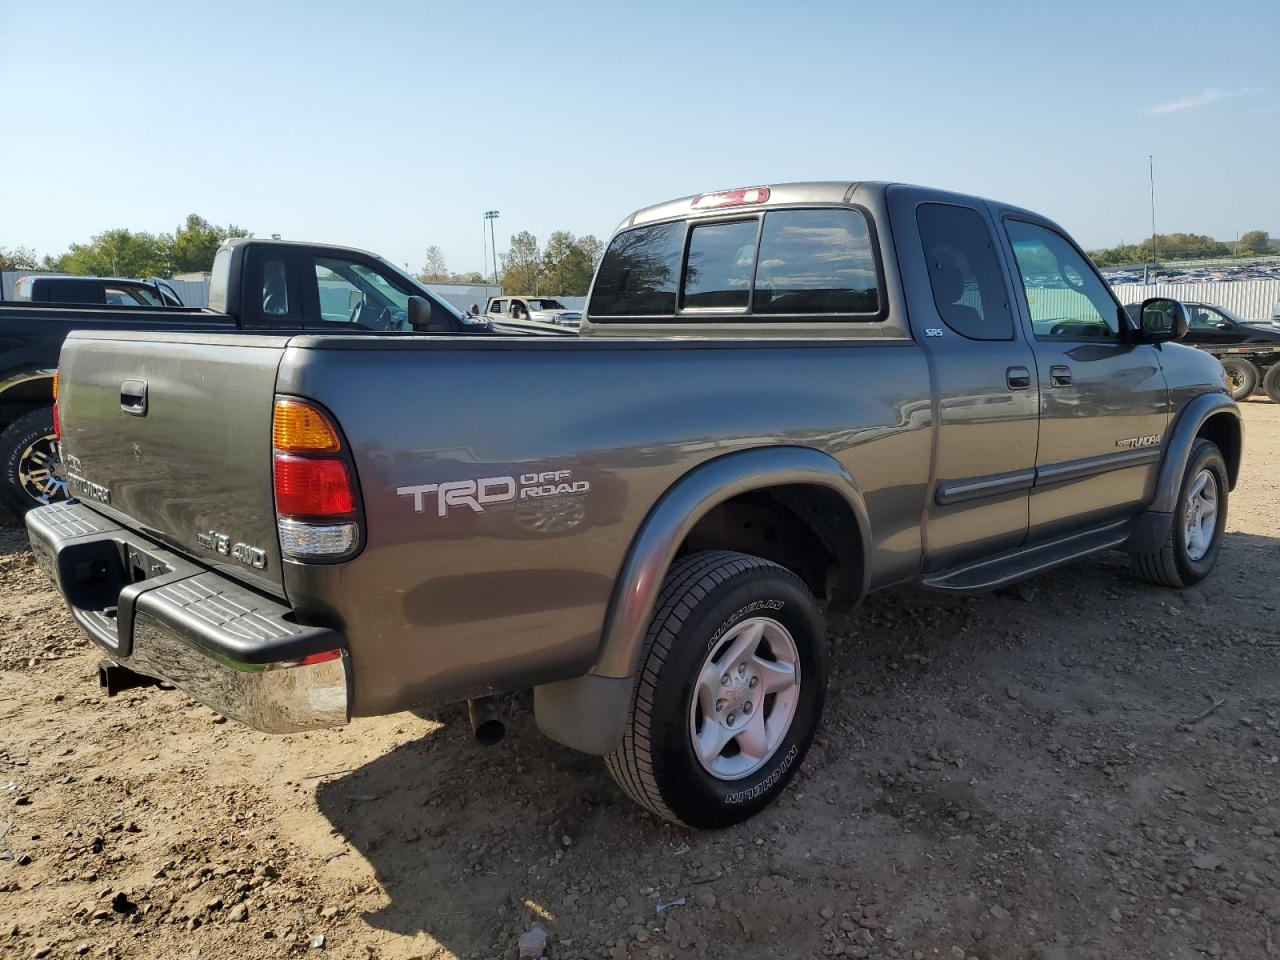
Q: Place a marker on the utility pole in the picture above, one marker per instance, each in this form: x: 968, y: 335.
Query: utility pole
x: 1151, y: 176
x: 492, y: 215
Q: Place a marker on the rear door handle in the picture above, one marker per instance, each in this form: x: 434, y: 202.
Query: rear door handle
x: 1059, y: 375
x: 1018, y: 378
x: 133, y: 397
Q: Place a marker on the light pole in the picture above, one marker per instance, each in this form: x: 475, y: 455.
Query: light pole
x: 492, y: 215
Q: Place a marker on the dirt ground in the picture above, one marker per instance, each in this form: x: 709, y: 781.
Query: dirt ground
x: 1080, y: 767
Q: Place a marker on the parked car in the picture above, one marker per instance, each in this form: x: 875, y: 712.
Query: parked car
x: 859, y: 385
x: 101, y: 291
x: 258, y: 286
x: 534, y: 309
x: 1249, y: 350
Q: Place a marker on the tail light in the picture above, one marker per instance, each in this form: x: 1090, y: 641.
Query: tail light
x: 316, y: 510
x: 57, y: 424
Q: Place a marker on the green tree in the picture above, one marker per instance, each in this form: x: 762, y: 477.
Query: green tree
x: 568, y: 263
x: 435, y: 270
x: 17, y: 258
x: 1255, y: 243
x: 118, y: 253
x: 522, y: 265
x: 192, y: 246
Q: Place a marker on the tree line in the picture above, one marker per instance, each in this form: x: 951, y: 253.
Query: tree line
x: 563, y: 267
x: 128, y: 253
x: 1184, y: 246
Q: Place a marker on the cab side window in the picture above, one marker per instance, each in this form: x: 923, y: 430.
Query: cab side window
x: 359, y: 295
x: 1066, y: 298
x: 968, y: 287
x: 1204, y: 318
x: 275, y: 289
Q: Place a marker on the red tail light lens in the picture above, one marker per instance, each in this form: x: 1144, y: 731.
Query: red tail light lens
x: 312, y: 487
x: 57, y: 424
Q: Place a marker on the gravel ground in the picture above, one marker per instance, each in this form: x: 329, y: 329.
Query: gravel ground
x: 1080, y: 767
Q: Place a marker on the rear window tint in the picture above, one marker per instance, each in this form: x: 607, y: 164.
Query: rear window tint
x: 968, y: 287
x: 639, y: 273
x: 816, y: 261
x: 717, y: 272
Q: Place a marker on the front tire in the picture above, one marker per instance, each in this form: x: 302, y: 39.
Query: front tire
x: 1195, y: 536
x: 732, y: 681
x: 1242, y: 377
x: 30, y: 462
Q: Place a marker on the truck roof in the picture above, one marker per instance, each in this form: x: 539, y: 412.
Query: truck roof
x: 238, y: 241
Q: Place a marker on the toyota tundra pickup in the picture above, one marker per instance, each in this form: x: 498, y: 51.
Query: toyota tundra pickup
x: 257, y: 286
x: 780, y: 399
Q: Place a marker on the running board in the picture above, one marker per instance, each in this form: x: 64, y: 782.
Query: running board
x: 1025, y: 561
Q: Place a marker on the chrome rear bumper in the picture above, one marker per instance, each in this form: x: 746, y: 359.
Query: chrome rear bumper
x: 160, y: 615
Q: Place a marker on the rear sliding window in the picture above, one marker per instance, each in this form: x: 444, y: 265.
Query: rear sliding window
x: 808, y: 262
x: 639, y: 273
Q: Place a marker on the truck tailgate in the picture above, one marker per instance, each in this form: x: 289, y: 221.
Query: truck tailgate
x: 170, y: 435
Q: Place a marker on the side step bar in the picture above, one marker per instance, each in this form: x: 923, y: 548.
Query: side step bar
x: 1025, y: 561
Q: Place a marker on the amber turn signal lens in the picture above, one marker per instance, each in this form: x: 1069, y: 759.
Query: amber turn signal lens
x: 297, y: 427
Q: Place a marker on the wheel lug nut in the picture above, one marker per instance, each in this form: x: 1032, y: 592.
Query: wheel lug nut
x: 746, y: 707
x: 724, y: 681
x: 742, y: 668
x: 731, y: 719
x: 753, y: 682
x: 719, y: 705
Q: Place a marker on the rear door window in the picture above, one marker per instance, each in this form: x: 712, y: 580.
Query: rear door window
x: 968, y: 287
x: 640, y: 272
x: 717, y: 271
x: 816, y: 262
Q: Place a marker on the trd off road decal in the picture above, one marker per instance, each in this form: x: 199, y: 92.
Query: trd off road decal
x: 491, y: 492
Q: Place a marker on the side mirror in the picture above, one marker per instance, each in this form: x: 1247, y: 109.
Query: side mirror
x: 1162, y: 319
x: 420, y: 317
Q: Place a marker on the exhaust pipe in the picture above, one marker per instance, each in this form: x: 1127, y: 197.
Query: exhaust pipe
x: 114, y: 678
x: 486, y: 723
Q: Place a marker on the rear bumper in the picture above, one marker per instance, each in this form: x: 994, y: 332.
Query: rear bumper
x: 162, y: 616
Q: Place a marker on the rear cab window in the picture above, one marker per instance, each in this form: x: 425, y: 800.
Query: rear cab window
x: 968, y: 286
x: 787, y: 263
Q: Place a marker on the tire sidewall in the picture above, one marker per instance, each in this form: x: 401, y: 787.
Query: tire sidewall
x: 704, y: 800
x: 14, y: 440
x: 1271, y: 382
x: 1250, y: 374
x: 1205, y: 456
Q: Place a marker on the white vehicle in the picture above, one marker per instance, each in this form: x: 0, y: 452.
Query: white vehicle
x: 536, y: 309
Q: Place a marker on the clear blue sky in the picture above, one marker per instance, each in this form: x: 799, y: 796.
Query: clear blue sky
x: 394, y: 125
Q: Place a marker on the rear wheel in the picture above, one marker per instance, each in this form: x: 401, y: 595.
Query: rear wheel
x: 1242, y: 377
x: 1271, y: 382
x: 30, y: 463
x: 1195, y: 535
x: 732, y: 682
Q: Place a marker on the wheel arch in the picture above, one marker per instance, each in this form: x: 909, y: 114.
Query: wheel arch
x: 24, y: 390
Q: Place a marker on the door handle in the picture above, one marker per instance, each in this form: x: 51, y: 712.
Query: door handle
x: 1018, y: 378
x: 1059, y: 375
x: 133, y: 397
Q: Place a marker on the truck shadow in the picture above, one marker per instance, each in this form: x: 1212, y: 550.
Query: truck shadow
x: 471, y: 845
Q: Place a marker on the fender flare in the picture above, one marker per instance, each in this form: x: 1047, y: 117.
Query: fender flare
x: 689, y: 499
x: 16, y: 378
x: 589, y: 713
x: 1151, y: 528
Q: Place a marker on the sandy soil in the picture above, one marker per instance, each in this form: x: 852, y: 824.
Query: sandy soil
x: 1080, y: 767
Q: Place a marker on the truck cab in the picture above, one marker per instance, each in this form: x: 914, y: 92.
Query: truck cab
x: 533, y: 309
x: 101, y: 291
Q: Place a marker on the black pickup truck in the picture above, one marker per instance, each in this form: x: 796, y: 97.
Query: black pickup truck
x: 258, y: 286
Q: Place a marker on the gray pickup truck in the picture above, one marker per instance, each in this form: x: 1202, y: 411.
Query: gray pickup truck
x: 780, y: 399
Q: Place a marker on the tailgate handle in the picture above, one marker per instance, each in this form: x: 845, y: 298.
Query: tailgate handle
x: 133, y: 397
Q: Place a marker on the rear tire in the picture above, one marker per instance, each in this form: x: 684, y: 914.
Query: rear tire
x: 1242, y: 377
x: 1188, y: 555
x: 710, y: 742
x: 30, y: 463
x: 1271, y: 382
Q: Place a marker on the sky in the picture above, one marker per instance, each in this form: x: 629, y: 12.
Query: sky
x: 394, y: 125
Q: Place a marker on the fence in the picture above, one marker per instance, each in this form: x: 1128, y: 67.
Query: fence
x: 1251, y: 299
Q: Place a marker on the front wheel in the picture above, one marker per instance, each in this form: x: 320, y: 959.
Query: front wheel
x: 30, y: 463
x: 1242, y: 377
x: 1199, y: 518
x: 732, y: 681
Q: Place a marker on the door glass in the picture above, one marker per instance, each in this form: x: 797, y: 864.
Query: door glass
x: 968, y: 287
x: 1065, y: 296
x: 357, y: 294
x: 130, y: 296
x: 816, y: 261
